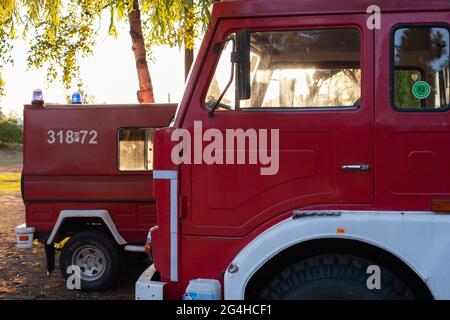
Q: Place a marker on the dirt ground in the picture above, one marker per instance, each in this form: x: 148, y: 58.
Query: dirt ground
x: 22, y: 271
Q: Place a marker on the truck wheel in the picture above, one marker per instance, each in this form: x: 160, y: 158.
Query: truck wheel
x: 333, y: 277
x: 97, y: 257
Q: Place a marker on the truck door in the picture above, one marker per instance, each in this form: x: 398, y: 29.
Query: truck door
x: 311, y: 80
x: 412, y: 110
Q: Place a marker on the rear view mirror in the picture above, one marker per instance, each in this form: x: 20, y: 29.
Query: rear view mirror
x: 243, y: 65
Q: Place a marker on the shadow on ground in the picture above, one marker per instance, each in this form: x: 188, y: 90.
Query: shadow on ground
x: 22, y: 271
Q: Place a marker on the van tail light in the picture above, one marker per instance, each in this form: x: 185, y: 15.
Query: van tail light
x: 440, y: 205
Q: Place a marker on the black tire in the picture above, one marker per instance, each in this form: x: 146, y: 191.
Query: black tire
x: 90, y: 249
x: 333, y: 277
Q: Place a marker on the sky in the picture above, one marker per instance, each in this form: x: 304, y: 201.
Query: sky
x: 109, y: 75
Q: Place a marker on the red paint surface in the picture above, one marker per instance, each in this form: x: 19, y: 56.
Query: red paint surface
x: 83, y: 176
x: 224, y: 207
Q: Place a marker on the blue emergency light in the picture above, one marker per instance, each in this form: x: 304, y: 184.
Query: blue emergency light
x: 76, y: 98
x: 38, y: 96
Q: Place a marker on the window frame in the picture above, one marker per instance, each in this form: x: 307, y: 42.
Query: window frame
x: 118, y: 148
x: 296, y: 109
x: 392, y: 66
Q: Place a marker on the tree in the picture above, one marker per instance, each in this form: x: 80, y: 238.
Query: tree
x: 145, y: 93
x: 5, y: 47
x: 10, y: 131
x: 61, y: 32
x: 190, y: 35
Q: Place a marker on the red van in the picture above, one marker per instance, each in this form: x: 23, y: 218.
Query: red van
x: 87, y: 176
x: 349, y: 101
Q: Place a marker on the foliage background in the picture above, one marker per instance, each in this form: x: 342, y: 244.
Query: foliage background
x: 11, y: 131
x: 61, y: 32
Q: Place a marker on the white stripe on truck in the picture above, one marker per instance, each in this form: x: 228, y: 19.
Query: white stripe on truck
x: 173, y: 177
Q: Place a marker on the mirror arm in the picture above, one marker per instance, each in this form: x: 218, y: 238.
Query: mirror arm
x: 218, y: 46
x: 233, y: 62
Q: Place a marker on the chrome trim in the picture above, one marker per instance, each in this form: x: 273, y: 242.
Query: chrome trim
x: 134, y: 248
x: 355, y: 167
x: 323, y: 213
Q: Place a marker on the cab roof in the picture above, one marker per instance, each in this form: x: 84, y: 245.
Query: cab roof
x: 249, y: 8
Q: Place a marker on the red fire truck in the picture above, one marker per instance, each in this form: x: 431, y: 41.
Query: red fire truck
x: 87, y: 175
x: 358, y: 94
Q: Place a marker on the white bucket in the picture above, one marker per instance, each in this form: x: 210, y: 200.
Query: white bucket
x: 203, y: 289
x: 24, y: 237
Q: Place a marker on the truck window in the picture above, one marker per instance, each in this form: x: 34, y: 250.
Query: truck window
x: 421, y: 68
x: 136, y: 149
x: 297, y: 69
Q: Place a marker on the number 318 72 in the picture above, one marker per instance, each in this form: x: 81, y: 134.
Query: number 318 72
x: 71, y: 137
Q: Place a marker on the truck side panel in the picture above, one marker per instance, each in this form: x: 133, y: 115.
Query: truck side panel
x: 63, y: 172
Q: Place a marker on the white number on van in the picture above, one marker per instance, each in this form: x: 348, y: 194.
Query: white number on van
x: 72, y: 137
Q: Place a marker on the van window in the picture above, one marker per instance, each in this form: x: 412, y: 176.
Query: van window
x: 136, y: 149
x: 297, y: 69
x: 421, y: 68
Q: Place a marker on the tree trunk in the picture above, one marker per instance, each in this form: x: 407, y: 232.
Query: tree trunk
x: 188, y: 61
x: 145, y: 93
x: 189, y: 52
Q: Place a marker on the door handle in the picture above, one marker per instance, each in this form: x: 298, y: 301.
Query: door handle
x: 355, y: 167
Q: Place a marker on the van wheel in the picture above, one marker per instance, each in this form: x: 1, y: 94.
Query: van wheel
x: 333, y: 277
x: 97, y: 257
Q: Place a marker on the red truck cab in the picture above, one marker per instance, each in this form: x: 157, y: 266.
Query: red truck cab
x: 350, y: 102
x: 87, y: 176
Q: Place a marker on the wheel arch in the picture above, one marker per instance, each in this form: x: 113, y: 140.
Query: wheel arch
x: 415, y: 241
x: 68, y: 218
x: 319, y: 246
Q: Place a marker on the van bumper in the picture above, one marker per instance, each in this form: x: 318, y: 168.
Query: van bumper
x: 24, y: 236
x: 146, y: 288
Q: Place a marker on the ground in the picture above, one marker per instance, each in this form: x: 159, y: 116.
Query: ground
x: 22, y: 271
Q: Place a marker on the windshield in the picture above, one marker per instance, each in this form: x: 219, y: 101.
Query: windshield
x: 307, y: 68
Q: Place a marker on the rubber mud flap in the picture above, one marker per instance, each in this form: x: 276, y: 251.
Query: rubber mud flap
x: 50, y: 257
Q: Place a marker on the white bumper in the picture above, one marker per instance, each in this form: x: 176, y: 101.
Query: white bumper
x: 420, y: 239
x: 146, y: 289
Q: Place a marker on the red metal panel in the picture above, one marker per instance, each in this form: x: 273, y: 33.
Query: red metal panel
x: 74, y: 176
x: 251, y: 8
x: 42, y: 158
x: 226, y: 207
x: 230, y: 201
x: 412, y: 148
x: 161, y: 236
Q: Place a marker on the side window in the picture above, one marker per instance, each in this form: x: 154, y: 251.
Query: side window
x: 136, y: 149
x: 296, y: 69
x: 421, y: 68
